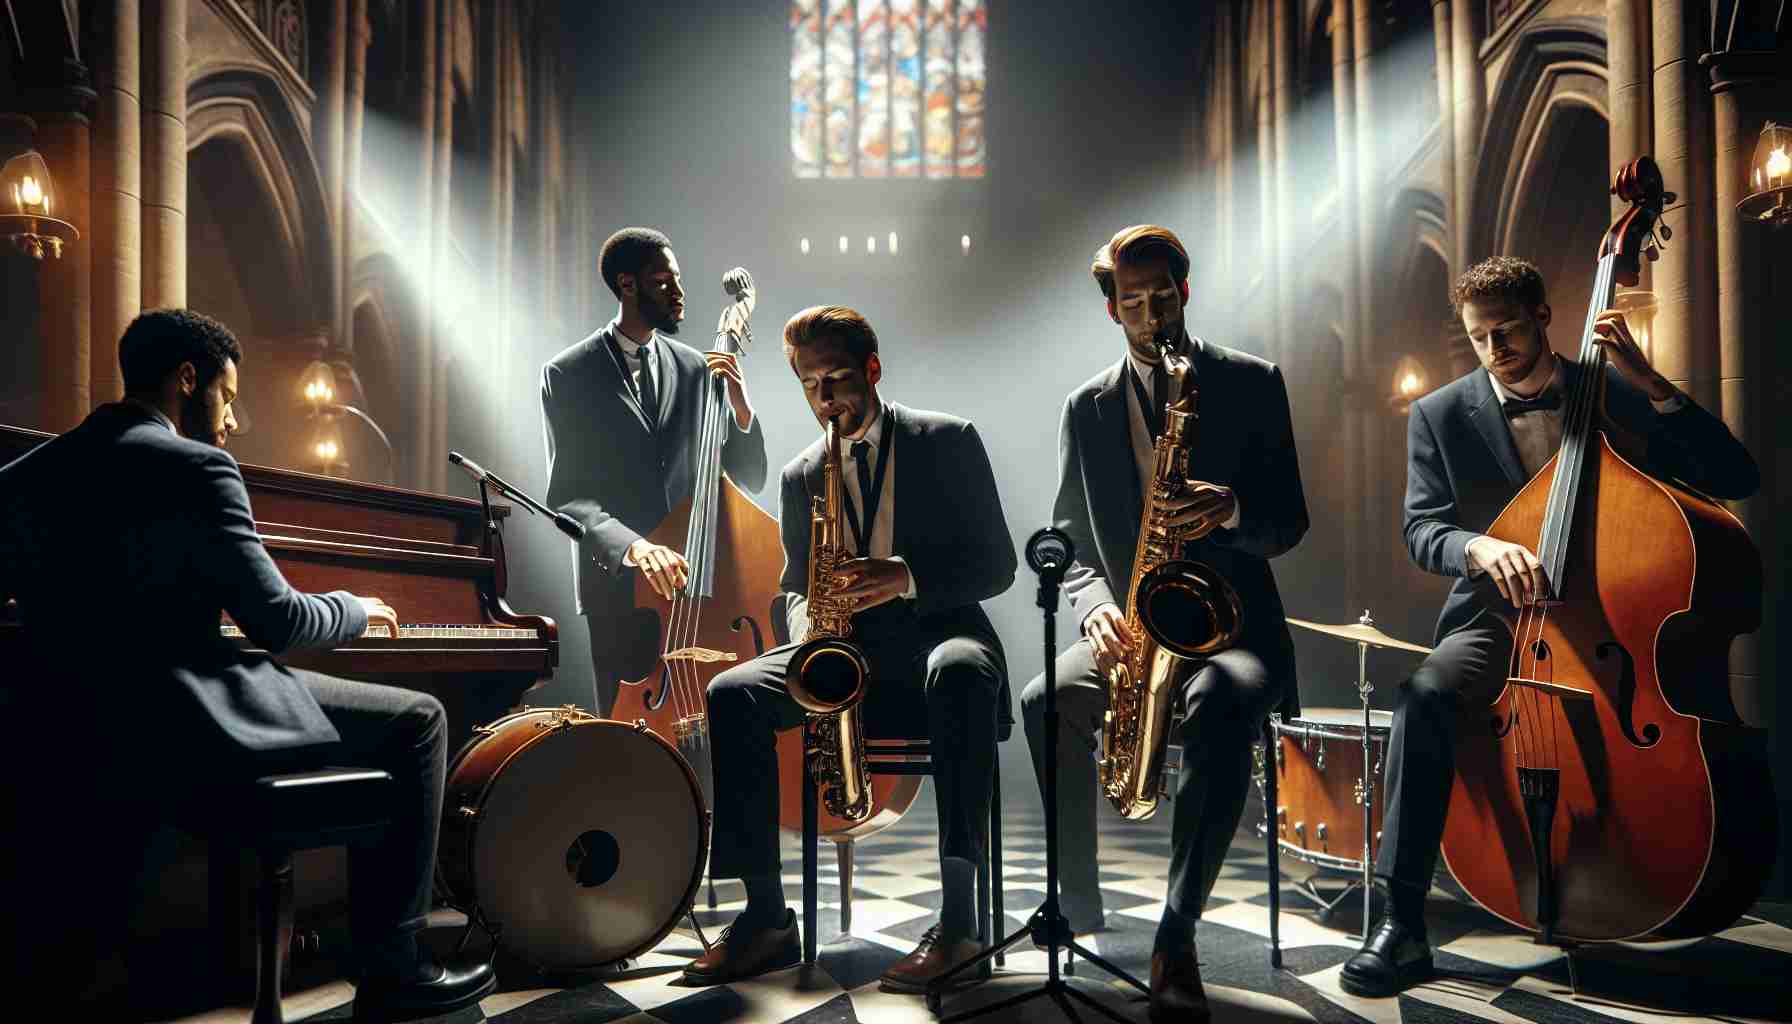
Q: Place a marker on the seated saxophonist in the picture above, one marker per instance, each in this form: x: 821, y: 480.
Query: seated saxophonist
x: 922, y: 541
x: 1236, y: 504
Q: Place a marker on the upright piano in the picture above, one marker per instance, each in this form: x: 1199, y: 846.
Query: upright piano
x: 437, y: 560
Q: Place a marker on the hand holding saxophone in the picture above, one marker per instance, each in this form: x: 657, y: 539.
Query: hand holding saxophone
x: 1199, y: 508
x: 1106, y: 629
x: 869, y: 582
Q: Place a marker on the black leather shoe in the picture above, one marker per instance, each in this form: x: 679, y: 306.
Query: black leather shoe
x: 1394, y: 958
x: 452, y: 987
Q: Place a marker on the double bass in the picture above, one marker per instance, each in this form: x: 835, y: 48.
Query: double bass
x: 1612, y: 790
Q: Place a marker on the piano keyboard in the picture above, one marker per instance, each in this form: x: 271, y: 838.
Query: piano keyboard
x: 424, y: 631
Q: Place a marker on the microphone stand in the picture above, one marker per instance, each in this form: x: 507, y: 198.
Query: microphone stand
x: 1047, y: 926
x: 563, y: 522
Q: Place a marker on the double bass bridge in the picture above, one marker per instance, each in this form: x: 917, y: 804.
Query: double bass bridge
x: 701, y: 655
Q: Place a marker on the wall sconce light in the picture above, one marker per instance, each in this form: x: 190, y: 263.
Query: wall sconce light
x: 28, y: 199
x: 1639, y: 309
x: 325, y: 446
x: 1770, y: 177
x: 1410, y: 381
x: 318, y: 387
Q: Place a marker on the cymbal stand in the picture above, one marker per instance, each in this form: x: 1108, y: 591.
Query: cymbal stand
x: 1363, y: 689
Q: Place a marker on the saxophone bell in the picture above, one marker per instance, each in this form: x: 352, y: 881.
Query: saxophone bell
x: 827, y: 675
x: 1189, y: 609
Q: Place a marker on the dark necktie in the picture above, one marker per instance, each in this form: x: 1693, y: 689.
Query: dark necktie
x: 861, y: 454
x: 1549, y: 399
x: 649, y: 392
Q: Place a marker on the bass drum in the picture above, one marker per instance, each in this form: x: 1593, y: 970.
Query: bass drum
x: 574, y: 841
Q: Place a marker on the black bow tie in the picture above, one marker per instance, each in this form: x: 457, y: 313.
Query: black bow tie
x: 1549, y: 399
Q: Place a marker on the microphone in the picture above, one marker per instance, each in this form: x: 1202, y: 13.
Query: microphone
x: 563, y: 522
x: 1050, y: 551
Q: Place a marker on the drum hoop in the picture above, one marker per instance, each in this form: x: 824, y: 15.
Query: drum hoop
x: 1321, y: 860
x: 1350, y: 733
x: 472, y: 909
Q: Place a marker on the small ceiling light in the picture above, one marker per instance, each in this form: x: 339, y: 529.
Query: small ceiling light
x: 870, y: 243
x: 964, y: 243
x: 804, y: 245
x: 892, y: 243
x: 1770, y: 177
x: 26, y: 201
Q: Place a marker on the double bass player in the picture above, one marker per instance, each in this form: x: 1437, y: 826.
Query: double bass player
x: 1471, y: 446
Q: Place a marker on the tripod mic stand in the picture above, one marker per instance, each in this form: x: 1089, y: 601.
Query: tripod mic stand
x: 1049, y: 553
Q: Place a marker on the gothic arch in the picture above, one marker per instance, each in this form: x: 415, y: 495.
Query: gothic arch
x: 246, y: 109
x: 1555, y: 62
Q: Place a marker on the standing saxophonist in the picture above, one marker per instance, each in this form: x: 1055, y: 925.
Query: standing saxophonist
x: 1241, y: 505
x: 925, y: 522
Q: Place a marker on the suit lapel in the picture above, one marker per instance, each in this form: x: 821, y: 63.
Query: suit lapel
x: 1111, y: 444
x: 1490, y: 422
x: 665, y: 374
x: 611, y: 357
x: 902, y: 432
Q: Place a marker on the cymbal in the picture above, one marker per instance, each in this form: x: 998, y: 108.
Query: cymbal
x: 1361, y: 634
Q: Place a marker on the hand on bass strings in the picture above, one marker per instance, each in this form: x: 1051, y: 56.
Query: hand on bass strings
x: 1612, y: 333
x: 869, y: 582
x: 727, y: 366
x: 1200, y: 509
x: 665, y: 569
x: 1512, y: 567
x: 379, y: 613
x: 1106, y: 629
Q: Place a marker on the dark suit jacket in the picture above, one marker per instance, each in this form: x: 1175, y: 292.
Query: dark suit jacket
x: 608, y: 471
x: 949, y: 528
x: 1462, y: 469
x: 122, y: 542
x: 1244, y: 439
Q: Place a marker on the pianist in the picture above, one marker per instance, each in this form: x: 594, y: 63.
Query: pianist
x: 138, y: 522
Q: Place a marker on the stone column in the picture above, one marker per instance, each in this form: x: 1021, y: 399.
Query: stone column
x: 1284, y: 45
x: 164, y: 153
x: 1628, y: 88
x: 423, y: 241
x: 436, y: 440
x: 60, y: 98
x: 1754, y: 356
x: 117, y: 234
x: 1685, y: 279
x: 1469, y: 90
x: 1442, y: 40
x: 354, y: 106
x: 1364, y: 410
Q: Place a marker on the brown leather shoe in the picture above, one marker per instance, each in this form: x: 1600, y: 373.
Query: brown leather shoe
x: 1176, y: 993
x: 933, y: 956
x: 743, y: 952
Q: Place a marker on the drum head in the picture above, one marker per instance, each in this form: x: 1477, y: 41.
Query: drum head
x: 1343, y: 718
x: 589, y: 845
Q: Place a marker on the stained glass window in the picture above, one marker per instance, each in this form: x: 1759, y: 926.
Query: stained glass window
x: 888, y: 88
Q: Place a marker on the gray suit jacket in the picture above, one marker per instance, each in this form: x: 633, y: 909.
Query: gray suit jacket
x: 613, y: 474
x: 1244, y: 439
x: 122, y: 542
x: 1462, y: 469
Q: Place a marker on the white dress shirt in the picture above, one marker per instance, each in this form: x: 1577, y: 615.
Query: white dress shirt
x: 883, y: 531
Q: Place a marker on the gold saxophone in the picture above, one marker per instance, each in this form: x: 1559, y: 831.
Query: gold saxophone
x: 828, y: 673
x: 1178, y: 612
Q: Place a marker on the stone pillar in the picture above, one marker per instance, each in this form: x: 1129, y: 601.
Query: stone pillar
x: 60, y: 97
x: 117, y: 175
x: 1284, y: 45
x: 1754, y: 357
x: 1628, y: 88
x: 164, y: 153
x: 1442, y: 40
x: 1349, y: 276
x: 1469, y: 90
x: 423, y: 241
x: 1685, y: 279
x: 354, y: 109
x: 436, y: 440
x: 1367, y: 507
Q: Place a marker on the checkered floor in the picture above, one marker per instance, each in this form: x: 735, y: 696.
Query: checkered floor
x: 1489, y: 972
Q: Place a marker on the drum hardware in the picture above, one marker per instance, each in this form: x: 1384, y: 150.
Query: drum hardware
x: 1363, y: 633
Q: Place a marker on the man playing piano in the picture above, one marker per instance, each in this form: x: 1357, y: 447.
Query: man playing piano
x: 138, y: 522
x: 623, y: 414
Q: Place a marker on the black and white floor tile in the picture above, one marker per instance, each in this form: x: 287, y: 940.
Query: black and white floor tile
x: 1488, y: 971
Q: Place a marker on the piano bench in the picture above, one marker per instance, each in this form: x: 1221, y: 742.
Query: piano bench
x: 276, y: 816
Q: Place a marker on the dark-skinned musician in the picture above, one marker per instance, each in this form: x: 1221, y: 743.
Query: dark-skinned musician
x: 623, y: 414
x: 1243, y: 506
x: 138, y: 519
x: 1471, y: 446
x: 927, y: 523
